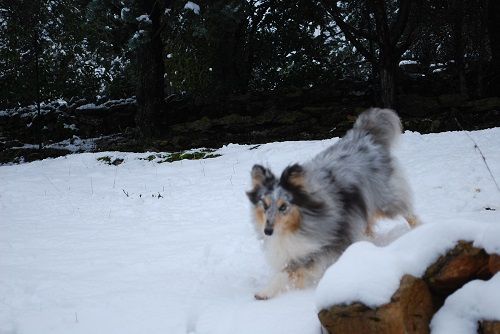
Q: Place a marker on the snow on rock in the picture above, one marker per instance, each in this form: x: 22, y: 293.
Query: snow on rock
x: 70, y: 126
x: 106, y: 105
x: 88, y: 106
x: 192, y: 6
x: 32, y: 110
x: 369, y: 274
x: 76, y: 144
x: 474, y: 302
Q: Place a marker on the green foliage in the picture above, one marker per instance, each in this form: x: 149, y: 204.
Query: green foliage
x: 178, y: 156
x: 105, y: 159
x: 42, y: 51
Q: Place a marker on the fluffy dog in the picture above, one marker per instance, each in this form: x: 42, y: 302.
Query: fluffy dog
x: 314, y: 211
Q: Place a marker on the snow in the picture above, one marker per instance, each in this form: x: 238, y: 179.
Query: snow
x: 88, y: 106
x: 124, y: 13
x: 74, y: 144
x: 78, y: 255
x: 32, y: 110
x: 70, y: 126
x: 317, y: 31
x: 408, y: 62
x: 144, y: 18
x: 475, y: 301
x: 106, y: 105
x: 192, y: 6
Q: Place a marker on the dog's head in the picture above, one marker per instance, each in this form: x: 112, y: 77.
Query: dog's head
x: 278, y: 204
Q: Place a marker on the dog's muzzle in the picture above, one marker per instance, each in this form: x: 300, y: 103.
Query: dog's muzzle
x: 268, y: 231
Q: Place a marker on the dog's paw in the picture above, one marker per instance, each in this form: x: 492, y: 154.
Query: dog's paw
x: 261, y: 296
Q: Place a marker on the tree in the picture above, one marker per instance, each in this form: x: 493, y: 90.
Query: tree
x: 38, y: 53
x: 494, y: 41
x: 394, y: 28
x: 457, y: 11
x: 150, y: 67
x: 133, y: 28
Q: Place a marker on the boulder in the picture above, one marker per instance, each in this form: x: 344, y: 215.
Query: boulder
x: 494, y: 264
x: 409, y: 311
x: 483, y: 104
x: 413, y: 305
x: 460, y: 265
x: 489, y: 327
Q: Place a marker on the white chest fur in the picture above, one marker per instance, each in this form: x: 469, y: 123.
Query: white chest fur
x: 281, y: 249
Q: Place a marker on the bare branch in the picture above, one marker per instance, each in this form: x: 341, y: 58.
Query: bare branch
x: 381, y: 22
x: 352, y: 34
x: 398, y: 27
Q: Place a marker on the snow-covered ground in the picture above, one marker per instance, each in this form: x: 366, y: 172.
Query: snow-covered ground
x: 142, y: 247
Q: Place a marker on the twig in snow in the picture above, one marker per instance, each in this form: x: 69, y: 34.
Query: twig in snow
x: 126, y: 193
x: 114, y: 180
x: 476, y: 146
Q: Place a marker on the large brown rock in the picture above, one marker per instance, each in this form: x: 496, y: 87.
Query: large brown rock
x: 489, y: 327
x: 494, y: 264
x: 460, y: 265
x: 409, y: 311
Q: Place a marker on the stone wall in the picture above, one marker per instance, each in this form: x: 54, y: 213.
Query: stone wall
x: 257, y: 117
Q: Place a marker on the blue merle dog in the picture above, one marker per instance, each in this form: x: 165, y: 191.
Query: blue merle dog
x: 314, y: 211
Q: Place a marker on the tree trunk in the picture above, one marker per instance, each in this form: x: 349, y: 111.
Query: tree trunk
x: 387, y: 74
x: 482, y: 52
x: 150, y: 76
x: 494, y: 36
x: 458, y: 39
x: 37, y: 51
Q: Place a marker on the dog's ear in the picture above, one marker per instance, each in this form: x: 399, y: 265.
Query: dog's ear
x: 293, y: 177
x: 261, y: 177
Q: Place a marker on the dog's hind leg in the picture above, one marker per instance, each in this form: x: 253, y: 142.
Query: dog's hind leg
x: 369, y: 227
x: 372, y: 220
x: 412, y: 220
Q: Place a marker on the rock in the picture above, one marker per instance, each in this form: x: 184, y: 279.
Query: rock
x: 292, y: 117
x: 416, y: 105
x: 483, y: 104
x: 489, y: 327
x: 30, y: 154
x: 451, y: 100
x: 457, y: 267
x: 409, y: 311
x: 494, y: 264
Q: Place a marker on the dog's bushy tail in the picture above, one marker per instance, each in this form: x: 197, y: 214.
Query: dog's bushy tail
x: 383, y: 124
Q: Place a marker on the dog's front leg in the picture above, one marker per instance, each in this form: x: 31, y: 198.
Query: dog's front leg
x: 283, y: 281
x: 278, y: 284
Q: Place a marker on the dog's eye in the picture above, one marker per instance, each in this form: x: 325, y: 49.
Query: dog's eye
x: 283, y: 207
x: 264, y: 205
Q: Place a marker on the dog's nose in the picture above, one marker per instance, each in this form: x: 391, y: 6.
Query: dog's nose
x: 268, y: 231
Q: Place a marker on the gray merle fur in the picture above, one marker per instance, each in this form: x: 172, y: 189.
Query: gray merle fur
x: 338, y: 192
